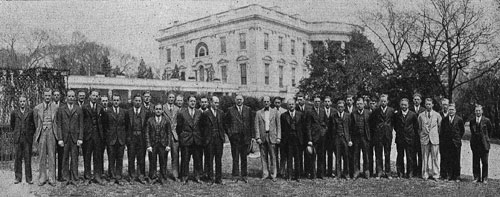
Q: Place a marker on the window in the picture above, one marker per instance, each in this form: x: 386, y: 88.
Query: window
x: 243, y: 69
x: 304, y: 49
x: 293, y: 77
x: 201, y: 50
x: 223, y: 70
x: 281, y: 76
x: 223, y: 44
x: 169, y: 55
x: 266, y: 41
x: 280, y: 44
x: 266, y: 74
x: 243, y: 41
x: 182, y: 52
x: 201, y: 73
x: 293, y: 47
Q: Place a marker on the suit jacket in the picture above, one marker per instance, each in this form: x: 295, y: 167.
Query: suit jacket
x: 382, y: 124
x: 406, y: 127
x: 429, y: 128
x: 212, y: 127
x: 452, y: 132
x: 22, y: 124
x: 306, y: 108
x: 316, y: 125
x: 116, y: 126
x: 480, y: 140
x: 90, y: 114
x: 163, y: 127
x: 172, y: 117
x: 274, y: 125
x: 188, y: 128
x: 287, y: 134
x: 354, y: 109
x: 129, y: 126
x: 420, y: 109
x: 150, y: 110
x: 238, y: 125
x: 70, y: 123
x: 330, y: 133
x: 344, y: 121
x: 355, y: 117
x: 38, y: 116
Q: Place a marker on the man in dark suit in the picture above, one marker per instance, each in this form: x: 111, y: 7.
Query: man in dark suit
x: 453, y: 129
x: 417, y: 153
x: 190, y: 139
x: 281, y: 152
x: 302, y: 107
x: 330, y: 136
x: 371, y: 106
x: 56, y: 98
x: 22, y: 124
x: 405, y: 124
x: 212, y: 126
x: 350, y: 108
x: 444, y: 145
x: 81, y: 99
x: 361, y: 136
x: 292, y: 129
x: 93, y: 139
x: 239, y: 125
x: 116, y: 136
x: 157, y: 140
x: 146, y: 102
x: 104, y: 119
x: 382, y: 125
x: 480, y: 128
x: 136, y: 119
x: 70, y: 123
x: 170, y: 109
x: 204, y: 106
x: 341, y: 122
x: 316, y: 133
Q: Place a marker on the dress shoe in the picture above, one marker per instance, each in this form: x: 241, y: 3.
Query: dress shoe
x: 141, y: 181
x: 53, y: 184
x: 30, y: 182
x: 485, y: 181
x: 244, y: 179
x: 118, y: 183
x: 389, y: 177
x: 197, y: 180
x: 175, y: 179
x: 273, y: 179
x: 41, y: 184
x: 98, y: 181
x: 219, y: 182
x: 17, y: 181
x: 296, y: 179
x: 475, y: 181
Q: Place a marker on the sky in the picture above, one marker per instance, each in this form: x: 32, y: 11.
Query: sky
x: 132, y: 26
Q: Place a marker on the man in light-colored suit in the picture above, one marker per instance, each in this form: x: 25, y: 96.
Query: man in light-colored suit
x: 268, y: 134
x: 46, y: 136
x: 171, y: 110
x: 429, y: 123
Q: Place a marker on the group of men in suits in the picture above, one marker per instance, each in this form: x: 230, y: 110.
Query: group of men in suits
x: 299, y: 141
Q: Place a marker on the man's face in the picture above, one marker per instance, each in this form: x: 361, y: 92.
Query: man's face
x: 215, y: 103
x: 171, y: 99
x: 428, y: 105
x: 349, y: 101
x: 70, y: 98
x: 204, y: 103
x: 116, y: 101
x: 451, y: 110
x: 317, y: 102
x: 301, y: 100
x: 403, y: 105
x: 277, y: 103
x: 192, y: 102
x: 373, y: 105
x: 445, y: 104
x: 47, y: 96
x: 239, y: 100
x: 417, y: 100
x: 57, y: 96
x: 328, y: 103
x: 266, y: 101
x: 360, y: 104
x: 383, y: 102
x: 105, y: 101
x: 147, y: 97
x: 478, y: 111
x: 22, y: 102
x: 158, y: 110
x: 291, y: 106
x: 179, y: 101
x: 137, y: 102
x: 341, y: 107
x: 81, y: 96
x: 93, y: 96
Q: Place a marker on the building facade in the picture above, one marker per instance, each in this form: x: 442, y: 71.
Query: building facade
x: 253, y: 49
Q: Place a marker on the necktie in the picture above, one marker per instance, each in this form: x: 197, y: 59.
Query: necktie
x: 70, y: 107
x: 429, y: 115
x: 191, y: 113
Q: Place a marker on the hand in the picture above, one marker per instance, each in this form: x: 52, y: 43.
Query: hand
x: 79, y: 142
x: 349, y: 143
x: 310, y: 143
x: 278, y: 141
x: 61, y: 143
x: 259, y: 141
x: 150, y: 149
x: 167, y: 148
